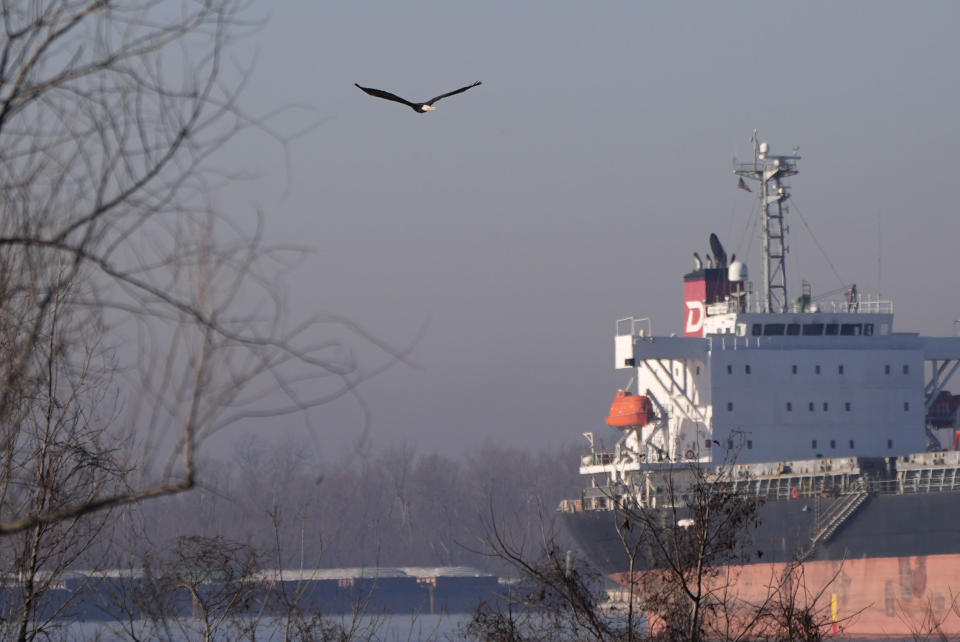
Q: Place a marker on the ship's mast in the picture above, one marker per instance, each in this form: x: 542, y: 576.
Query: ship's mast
x: 769, y: 171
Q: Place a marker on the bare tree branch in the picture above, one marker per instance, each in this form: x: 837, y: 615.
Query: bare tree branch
x: 111, y: 113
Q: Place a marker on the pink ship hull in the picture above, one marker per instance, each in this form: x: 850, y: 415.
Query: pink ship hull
x: 871, y: 597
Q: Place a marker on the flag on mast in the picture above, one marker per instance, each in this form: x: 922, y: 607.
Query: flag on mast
x: 742, y: 185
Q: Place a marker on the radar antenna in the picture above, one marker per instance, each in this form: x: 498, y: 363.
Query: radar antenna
x: 770, y: 171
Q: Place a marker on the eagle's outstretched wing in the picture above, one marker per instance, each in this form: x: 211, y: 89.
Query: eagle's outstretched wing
x: 379, y: 93
x: 451, y: 93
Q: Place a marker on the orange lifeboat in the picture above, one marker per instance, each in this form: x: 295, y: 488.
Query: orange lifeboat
x: 630, y: 411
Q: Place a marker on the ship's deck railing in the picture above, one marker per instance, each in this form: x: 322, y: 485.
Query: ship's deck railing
x: 598, y: 459
x: 862, y: 303
x: 923, y: 480
x: 932, y: 479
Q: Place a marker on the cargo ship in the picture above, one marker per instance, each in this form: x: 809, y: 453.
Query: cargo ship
x: 839, y: 427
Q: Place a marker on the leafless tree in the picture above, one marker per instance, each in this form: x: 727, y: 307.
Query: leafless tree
x: 199, y: 588
x: 793, y: 610
x: 928, y: 622
x: 218, y: 575
x: 110, y: 115
x: 558, y: 596
x: 136, y: 318
x: 682, y: 553
x: 700, y: 528
x: 55, y: 455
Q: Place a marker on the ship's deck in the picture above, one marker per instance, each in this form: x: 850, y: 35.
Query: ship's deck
x: 930, y: 472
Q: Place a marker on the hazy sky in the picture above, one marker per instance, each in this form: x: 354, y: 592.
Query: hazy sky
x: 522, y: 218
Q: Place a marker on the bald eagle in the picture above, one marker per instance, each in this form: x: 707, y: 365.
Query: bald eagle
x: 420, y: 108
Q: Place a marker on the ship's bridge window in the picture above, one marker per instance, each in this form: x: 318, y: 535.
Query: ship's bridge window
x: 868, y: 329
x: 832, y: 329
x: 812, y: 329
x: 773, y: 330
x: 757, y: 329
x: 793, y: 329
x: 851, y: 329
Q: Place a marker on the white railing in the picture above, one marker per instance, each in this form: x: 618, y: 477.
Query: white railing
x: 862, y: 304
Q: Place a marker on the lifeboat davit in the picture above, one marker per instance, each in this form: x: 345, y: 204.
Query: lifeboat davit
x: 630, y: 411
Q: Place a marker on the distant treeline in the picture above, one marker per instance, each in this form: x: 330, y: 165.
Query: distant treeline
x: 392, y: 507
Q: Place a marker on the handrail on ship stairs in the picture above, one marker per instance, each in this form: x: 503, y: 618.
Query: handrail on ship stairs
x: 839, y: 513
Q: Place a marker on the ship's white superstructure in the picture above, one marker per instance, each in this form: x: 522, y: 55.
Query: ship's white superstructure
x: 767, y: 379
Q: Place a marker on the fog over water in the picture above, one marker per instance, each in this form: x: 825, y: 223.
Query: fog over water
x: 516, y: 223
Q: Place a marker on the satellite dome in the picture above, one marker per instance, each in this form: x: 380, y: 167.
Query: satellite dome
x: 737, y: 272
